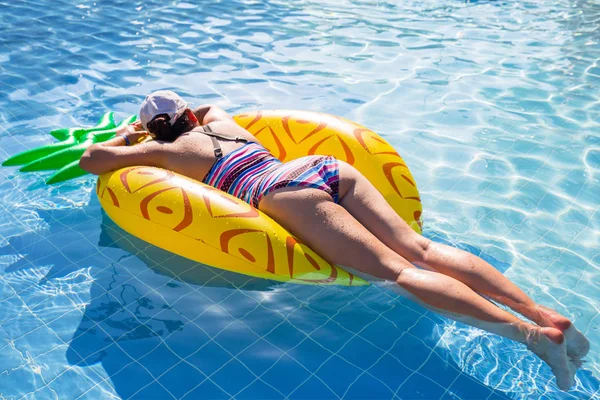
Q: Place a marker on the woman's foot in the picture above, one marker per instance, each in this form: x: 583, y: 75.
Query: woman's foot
x: 577, y: 344
x: 549, y: 345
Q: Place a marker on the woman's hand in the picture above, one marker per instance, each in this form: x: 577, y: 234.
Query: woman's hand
x: 136, y: 126
x: 113, y: 154
x: 134, y: 132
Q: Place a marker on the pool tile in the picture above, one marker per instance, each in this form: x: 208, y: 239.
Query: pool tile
x: 101, y: 390
x: 239, y: 304
x: 285, y: 336
x: 307, y: 293
x: 28, y: 343
x: 439, y: 369
x: 236, y: 337
x: 14, y: 378
x: 402, y: 315
x: 310, y: 354
x: 223, y: 377
x: 390, y: 371
x: 76, y: 249
x: 209, y: 391
x: 425, y: 330
x: 500, y: 396
x: 260, y: 356
x: 64, y: 321
x: 209, y: 358
x: 186, y: 340
x: 338, y: 374
x: 286, y: 375
x: 43, y: 392
x: 368, y: 387
x: 262, y: 321
x: 55, y: 356
x: 411, y: 351
x: 216, y: 294
x: 152, y: 392
x: 468, y: 388
x: 384, y: 333
x: 307, y: 320
x: 313, y: 389
x: 73, y: 381
x: 354, y: 321
x: 159, y: 359
x: 181, y: 379
x: 450, y: 396
x: 213, y: 320
x: 259, y: 390
x: 282, y: 302
x: 331, y: 336
x: 419, y: 387
x: 360, y: 353
x: 129, y: 378
x: 25, y: 321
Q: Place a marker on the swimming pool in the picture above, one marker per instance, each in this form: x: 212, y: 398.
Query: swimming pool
x: 494, y: 106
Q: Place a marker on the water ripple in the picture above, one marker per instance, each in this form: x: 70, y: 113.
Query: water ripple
x: 494, y: 106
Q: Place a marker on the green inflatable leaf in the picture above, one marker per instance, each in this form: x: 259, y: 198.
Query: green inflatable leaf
x: 58, y: 159
x: 67, y: 137
x: 104, y: 135
x: 64, y: 155
x: 69, y: 171
x: 106, y: 122
x: 33, y: 154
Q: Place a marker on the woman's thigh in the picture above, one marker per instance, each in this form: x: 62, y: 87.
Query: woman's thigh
x: 331, y: 231
x: 364, y: 202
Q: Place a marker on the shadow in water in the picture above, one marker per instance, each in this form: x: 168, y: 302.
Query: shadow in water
x: 150, y: 309
x: 161, y: 325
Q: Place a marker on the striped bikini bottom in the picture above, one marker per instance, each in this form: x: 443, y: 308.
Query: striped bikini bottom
x: 251, y: 172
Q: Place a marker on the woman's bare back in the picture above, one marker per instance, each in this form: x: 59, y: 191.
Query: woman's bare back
x: 192, y: 154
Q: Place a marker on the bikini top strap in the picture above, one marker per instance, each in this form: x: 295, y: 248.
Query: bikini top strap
x: 214, y: 135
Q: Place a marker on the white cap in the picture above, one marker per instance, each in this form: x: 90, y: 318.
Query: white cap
x: 162, y: 102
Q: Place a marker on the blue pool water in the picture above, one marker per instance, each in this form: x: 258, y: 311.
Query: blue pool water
x: 494, y: 105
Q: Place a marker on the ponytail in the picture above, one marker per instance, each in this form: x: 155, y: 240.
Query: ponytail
x: 163, y: 130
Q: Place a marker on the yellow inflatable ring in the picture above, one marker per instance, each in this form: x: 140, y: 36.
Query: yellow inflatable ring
x: 199, y: 222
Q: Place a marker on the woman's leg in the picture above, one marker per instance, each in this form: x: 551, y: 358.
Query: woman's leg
x: 336, y: 235
x: 370, y: 208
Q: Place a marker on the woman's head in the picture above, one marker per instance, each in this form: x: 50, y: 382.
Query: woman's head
x: 166, y: 115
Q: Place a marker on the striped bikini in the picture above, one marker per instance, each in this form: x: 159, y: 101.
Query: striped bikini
x: 250, y: 172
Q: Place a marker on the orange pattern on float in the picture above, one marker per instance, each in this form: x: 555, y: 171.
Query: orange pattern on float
x: 197, y: 221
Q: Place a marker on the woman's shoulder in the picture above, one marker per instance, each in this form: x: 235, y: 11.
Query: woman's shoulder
x: 228, y: 128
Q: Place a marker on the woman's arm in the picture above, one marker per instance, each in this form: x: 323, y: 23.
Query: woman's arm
x: 114, y: 154
x: 208, y: 113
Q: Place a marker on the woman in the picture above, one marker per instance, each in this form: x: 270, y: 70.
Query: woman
x: 338, y: 213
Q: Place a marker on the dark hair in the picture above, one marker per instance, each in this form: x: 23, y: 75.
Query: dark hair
x: 163, y: 130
